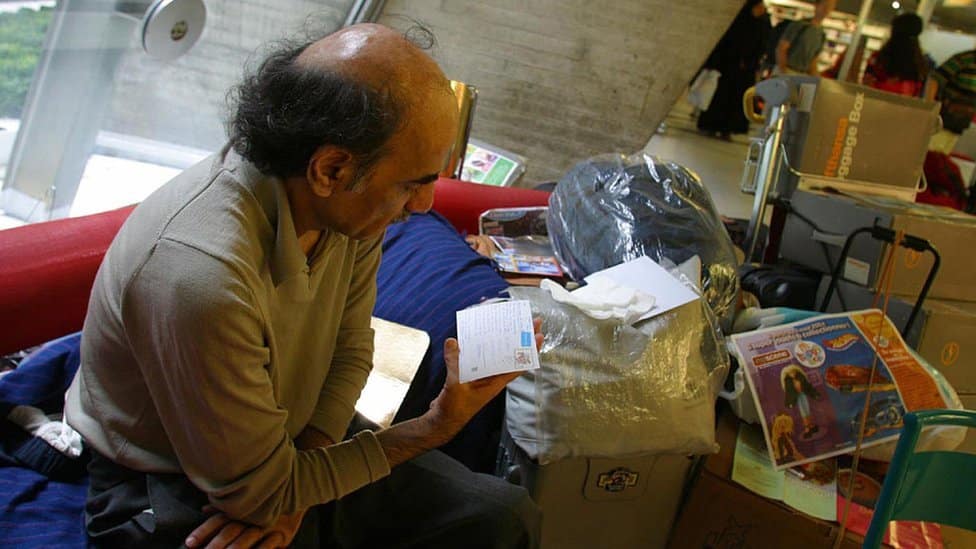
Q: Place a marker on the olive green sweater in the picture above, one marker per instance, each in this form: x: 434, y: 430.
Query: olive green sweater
x: 211, y: 341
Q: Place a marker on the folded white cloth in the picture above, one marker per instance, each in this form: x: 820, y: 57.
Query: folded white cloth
x: 603, y: 299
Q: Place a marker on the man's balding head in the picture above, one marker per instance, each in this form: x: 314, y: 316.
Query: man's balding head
x: 353, y: 89
x: 377, y: 57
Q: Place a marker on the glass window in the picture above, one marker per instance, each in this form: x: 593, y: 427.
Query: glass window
x: 119, y: 122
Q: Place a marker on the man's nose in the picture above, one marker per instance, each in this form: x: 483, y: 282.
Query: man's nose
x: 422, y: 200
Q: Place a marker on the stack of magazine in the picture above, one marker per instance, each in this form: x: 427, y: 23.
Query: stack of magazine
x: 521, y: 240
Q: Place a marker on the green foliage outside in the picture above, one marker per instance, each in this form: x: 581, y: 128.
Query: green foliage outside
x: 21, y: 39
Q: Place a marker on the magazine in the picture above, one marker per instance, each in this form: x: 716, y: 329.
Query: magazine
x: 528, y: 221
x: 530, y: 254
x: 809, y: 380
x: 521, y: 240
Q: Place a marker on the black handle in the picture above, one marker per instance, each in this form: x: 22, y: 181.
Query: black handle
x: 888, y: 235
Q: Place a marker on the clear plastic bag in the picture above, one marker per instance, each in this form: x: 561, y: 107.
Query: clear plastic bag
x: 614, y: 208
x: 608, y: 389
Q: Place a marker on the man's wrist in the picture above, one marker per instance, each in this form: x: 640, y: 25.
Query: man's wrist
x: 442, y: 428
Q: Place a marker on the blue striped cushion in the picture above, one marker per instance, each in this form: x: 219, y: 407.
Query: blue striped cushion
x: 429, y: 272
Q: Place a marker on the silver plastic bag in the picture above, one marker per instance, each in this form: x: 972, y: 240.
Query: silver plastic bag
x: 614, y: 208
x: 607, y: 389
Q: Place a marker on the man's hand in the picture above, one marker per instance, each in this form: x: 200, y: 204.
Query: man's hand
x: 449, y: 412
x: 481, y: 244
x: 458, y: 402
x: 219, y: 532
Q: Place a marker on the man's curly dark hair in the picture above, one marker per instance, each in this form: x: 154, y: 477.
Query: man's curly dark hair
x: 284, y: 111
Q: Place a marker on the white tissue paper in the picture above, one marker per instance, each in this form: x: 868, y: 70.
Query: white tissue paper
x: 603, y: 299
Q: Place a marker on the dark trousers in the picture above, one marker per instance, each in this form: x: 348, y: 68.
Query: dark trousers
x: 431, y: 501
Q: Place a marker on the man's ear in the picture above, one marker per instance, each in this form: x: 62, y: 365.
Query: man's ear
x: 330, y: 169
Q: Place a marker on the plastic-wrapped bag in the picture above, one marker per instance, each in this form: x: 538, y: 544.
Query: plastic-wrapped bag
x: 615, y: 208
x: 607, y: 389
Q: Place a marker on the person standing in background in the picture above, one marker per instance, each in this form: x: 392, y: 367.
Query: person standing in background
x: 736, y: 57
x: 955, y: 83
x: 802, y: 41
x: 900, y: 66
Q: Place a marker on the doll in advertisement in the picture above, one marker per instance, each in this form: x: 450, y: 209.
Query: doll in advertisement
x: 784, y: 449
x: 798, y: 392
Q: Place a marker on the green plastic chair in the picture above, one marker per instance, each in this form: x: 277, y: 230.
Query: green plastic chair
x: 927, y: 486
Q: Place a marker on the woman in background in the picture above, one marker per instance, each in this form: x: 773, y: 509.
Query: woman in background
x: 900, y: 66
x: 736, y: 57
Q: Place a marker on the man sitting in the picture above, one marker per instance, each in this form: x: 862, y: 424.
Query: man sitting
x: 227, y: 336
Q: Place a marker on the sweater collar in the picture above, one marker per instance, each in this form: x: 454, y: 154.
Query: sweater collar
x: 286, y: 257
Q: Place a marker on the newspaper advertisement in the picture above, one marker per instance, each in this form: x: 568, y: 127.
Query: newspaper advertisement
x: 810, y: 378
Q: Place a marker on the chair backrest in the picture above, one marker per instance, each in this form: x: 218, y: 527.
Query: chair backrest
x: 46, y: 275
x: 927, y: 486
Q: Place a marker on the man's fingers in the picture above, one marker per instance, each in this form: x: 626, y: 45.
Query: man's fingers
x: 494, y: 383
x: 227, y: 535
x: 537, y: 328
x: 452, y: 354
x: 207, y: 530
x: 248, y: 538
x: 274, y: 540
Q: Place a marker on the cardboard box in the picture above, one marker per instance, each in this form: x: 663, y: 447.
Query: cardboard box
x: 719, y: 513
x: 948, y: 342
x: 847, y: 132
x: 836, y: 216
x: 595, y: 502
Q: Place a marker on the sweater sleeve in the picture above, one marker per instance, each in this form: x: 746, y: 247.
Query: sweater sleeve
x: 353, y: 356
x: 198, y: 337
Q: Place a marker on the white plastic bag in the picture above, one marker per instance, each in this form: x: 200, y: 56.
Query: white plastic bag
x: 703, y: 88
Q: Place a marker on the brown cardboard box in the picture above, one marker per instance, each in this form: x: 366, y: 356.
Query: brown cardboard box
x: 719, y: 513
x: 601, y: 502
x: 951, y: 232
x: 948, y: 342
x: 854, y: 135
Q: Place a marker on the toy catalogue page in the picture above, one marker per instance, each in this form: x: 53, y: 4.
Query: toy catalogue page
x: 810, y: 378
